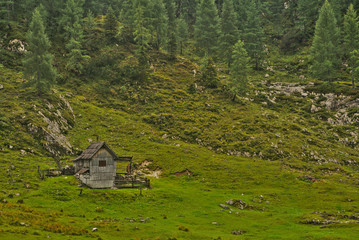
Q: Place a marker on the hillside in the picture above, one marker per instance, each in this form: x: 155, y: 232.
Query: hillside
x: 288, y: 151
x: 243, y: 114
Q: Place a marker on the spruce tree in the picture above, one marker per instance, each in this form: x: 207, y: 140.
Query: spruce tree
x: 307, y: 11
x: 230, y: 34
x: 354, y: 66
x: 239, y: 70
x: 351, y: 31
x: 71, y: 20
x: 324, y: 49
x: 207, y: 29
x: 209, y: 75
x: 159, y: 22
x: 253, y: 34
x: 5, y: 14
x: 171, y: 28
x: 111, y: 25
x: 142, y: 39
x: 182, y: 30
x: 38, y: 62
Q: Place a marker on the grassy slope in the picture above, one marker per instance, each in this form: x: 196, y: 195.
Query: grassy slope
x: 182, y: 208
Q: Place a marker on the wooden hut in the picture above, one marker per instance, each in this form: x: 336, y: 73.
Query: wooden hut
x: 96, y: 166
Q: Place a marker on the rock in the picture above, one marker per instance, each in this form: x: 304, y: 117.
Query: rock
x: 223, y: 206
x: 4, y: 201
x: 22, y: 224
x: 94, y: 229
x: 1, y: 87
x: 10, y: 196
x: 237, y: 232
x: 267, y: 75
x: 12, y: 167
x: 301, y: 77
x: 237, y: 203
x: 314, y: 109
x: 28, y: 186
x: 164, y: 136
x: 22, y: 152
x: 214, y: 223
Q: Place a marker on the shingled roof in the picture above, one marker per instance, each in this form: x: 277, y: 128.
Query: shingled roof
x: 91, y: 150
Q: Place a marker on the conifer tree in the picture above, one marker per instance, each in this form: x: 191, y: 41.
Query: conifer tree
x: 207, y: 29
x: 159, y: 22
x: 307, y: 15
x: 351, y: 31
x: 239, y: 70
x: 230, y: 34
x: 324, y: 50
x: 354, y: 65
x: 142, y: 39
x: 71, y: 20
x: 253, y: 34
x: 182, y: 30
x: 171, y: 28
x: 38, y: 62
x: 5, y: 14
x: 209, y: 75
x: 111, y: 25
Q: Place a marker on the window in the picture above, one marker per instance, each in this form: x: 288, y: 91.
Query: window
x: 102, y: 163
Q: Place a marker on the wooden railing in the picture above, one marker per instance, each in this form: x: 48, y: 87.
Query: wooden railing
x: 130, y: 181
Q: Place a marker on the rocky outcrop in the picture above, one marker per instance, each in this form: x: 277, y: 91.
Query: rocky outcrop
x: 55, y: 120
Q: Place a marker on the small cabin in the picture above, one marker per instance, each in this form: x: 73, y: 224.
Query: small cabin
x: 96, y: 166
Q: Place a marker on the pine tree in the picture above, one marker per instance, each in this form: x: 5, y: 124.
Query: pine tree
x: 159, y: 23
x: 182, y: 30
x: 253, y: 34
x: 172, y: 28
x: 111, y: 25
x: 324, y: 50
x: 142, y: 39
x: 5, y: 14
x: 351, y: 31
x: 209, y: 75
x: 307, y: 15
x: 38, y: 61
x: 206, y: 29
x: 239, y: 70
x: 71, y: 20
x: 230, y: 33
x: 354, y: 66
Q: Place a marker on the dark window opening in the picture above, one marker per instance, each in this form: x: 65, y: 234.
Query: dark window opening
x: 102, y: 163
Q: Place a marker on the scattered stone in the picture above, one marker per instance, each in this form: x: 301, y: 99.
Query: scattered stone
x: 28, y: 186
x: 11, y: 147
x: 164, y: 136
x: 12, y: 167
x: 301, y: 77
x: 10, y: 196
x: 238, y: 203
x: 4, y: 201
x: 267, y: 75
x: 94, y: 229
x: 1, y: 87
x: 214, y: 223
x: 237, y: 232
x: 22, y: 224
x: 223, y: 206
x: 22, y: 152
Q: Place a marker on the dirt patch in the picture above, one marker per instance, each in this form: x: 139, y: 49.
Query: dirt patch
x: 185, y: 172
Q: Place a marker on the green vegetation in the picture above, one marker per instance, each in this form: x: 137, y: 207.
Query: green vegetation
x: 279, y: 162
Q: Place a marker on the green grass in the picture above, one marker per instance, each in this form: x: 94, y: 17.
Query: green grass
x: 175, y: 129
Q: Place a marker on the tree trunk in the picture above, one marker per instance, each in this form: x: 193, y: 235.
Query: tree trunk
x: 353, y: 84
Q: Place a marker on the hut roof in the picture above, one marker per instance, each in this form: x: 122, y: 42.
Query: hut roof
x: 91, y: 150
